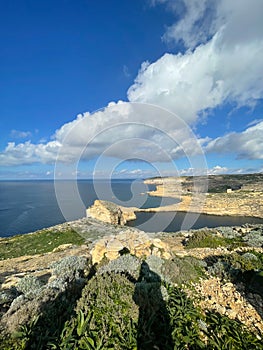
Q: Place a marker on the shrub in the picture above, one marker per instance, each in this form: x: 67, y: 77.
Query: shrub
x: 219, y: 269
x: 224, y: 333
x: 70, y: 267
x: 106, y: 311
x: 124, y: 264
x: 254, y: 239
x: 205, y: 239
x: 245, y: 261
x: 182, y: 270
x: 30, y: 286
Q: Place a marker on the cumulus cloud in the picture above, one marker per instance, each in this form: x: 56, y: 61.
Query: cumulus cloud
x: 121, y: 130
x: 247, y: 144
x: 203, y: 79
x: 29, y: 153
x: 18, y: 134
x: 223, y: 62
x: 226, y: 67
x: 217, y: 170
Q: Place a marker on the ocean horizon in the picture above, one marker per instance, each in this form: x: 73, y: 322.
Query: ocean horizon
x: 30, y: 205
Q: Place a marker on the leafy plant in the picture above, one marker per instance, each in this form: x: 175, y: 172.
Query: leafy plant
x: 226, y: 334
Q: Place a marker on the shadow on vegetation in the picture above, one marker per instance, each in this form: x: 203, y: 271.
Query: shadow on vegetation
x: 154, y: 331
x: 53, y: 315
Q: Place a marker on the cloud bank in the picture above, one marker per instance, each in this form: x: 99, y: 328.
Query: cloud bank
x: 122, y: 130
x: 222, y: 63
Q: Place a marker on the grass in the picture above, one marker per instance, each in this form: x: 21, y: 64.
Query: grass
x: 40, y: 242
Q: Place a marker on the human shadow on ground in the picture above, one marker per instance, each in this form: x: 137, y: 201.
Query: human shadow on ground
x: 154, y: 331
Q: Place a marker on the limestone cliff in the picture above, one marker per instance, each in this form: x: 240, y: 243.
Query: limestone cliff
x: 111, y: 213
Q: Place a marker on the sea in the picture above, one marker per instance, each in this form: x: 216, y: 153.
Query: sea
x: 27, y: 206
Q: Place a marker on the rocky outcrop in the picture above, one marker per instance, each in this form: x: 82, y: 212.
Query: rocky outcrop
x: 137, y: 243
x: 111, y: 213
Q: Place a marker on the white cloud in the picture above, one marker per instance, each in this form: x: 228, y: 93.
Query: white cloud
x: 18, y: 134
x: 226, y: 68
x: 29, y: 153
x: 195, y: 24
x: 122, y: 130
x: 203, y: 79
x: 199, y: 20
x: 247, y: 144
x: 217, y: 170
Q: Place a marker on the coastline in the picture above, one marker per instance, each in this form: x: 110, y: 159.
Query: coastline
x: 235, y: 203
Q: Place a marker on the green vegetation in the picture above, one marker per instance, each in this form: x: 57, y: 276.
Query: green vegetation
x: 240, y: 267
x: 113, y: 310
x: 245, y: 261
x: 115, y: 322
x: 128, y: 303
x: 208, y: 239
x: 204, y: 239
x: 43, y: 241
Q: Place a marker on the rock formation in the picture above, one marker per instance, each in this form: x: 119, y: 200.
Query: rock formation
x: 135, y: 242
x: 111, y: 213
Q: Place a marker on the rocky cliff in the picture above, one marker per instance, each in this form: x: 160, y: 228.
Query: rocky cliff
x: 111, y: 213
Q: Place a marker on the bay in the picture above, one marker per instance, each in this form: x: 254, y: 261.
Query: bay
x: 27, y: 206
x: 176, y: 221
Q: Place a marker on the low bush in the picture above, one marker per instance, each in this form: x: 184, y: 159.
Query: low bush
x: 205, y: 239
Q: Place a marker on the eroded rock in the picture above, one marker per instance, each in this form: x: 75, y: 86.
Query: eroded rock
x: 136, y: 242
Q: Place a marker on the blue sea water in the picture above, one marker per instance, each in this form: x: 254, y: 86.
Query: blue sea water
x: 26, y: 206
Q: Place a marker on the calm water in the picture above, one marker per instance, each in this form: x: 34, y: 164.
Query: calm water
x: 26, y: 206
x: 171, y: 222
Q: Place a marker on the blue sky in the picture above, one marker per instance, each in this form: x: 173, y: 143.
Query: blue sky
x: 62, y: 60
